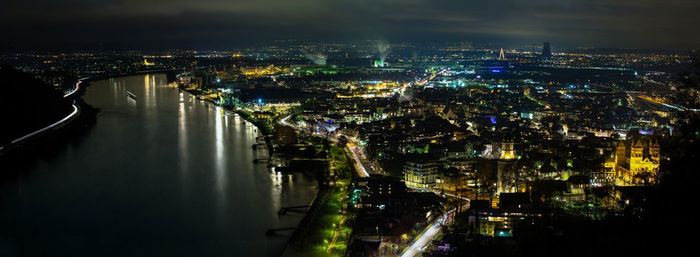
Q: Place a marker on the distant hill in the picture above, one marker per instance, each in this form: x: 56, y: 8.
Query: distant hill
x: 27, y: 104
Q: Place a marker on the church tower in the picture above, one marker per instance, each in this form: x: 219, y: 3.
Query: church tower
x: 655, y: 151
x: 507, y: 151
x: 620, y: 153
x: 636, y: 153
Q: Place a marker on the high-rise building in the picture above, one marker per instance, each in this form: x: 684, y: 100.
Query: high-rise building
x: 546, y: 50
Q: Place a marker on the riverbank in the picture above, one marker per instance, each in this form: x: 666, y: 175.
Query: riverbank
x: 264, y: 129
x: 323, y: 230
x: 210, y: 199
x: 170, y: 73
x: 326, y: 228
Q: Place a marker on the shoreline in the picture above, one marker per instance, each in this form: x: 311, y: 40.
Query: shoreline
x: 167, y: 72
x: 265, y: 134
x: 80, y: 124
x: 81, y: 109
x: 322, y: 194
x: 71, y: 131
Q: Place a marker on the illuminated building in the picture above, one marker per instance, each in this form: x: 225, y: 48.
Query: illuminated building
x: 374, y: 190
x: 505, y: 169
x: 420, y: 174
x: 507, y: 151
x: 636, y: 160
x: 378, y: 63
x: 485, y: 221
x: 259, y: 72
x: 602, y: 178
x: 452, y: 180
x: 276, y: 108
x: 371, y: 89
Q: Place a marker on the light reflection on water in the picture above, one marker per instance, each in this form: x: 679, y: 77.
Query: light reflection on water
x: 162, y: 175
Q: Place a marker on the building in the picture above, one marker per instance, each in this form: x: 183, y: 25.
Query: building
x: 420, y: 174
x: 507, y: 151
x: 374, y: 191
x: 485, y: 221
x: 636, y: 160
x: 601, y: 178
x: 452, y: 180
x: 546, y: 50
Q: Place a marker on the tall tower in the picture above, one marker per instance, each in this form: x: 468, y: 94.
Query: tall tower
x: 505, y: 168
x: 636, y: 152
x: 655, y: 150
x: 502, y: 55
x: 546, y: 50
x: 507, y: 151
x: 620, y: 153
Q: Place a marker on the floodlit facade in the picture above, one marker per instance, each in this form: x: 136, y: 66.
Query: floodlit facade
x: 420, y: 175
x: 636, y: 160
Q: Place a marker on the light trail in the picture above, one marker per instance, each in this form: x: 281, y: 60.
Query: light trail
x: 75, y: 89
x: 283, y: 121
x: 71, y: 115
x: 426, y: 236
x: 663, y: 103
x: 75, y: 111
x: 358, y: 163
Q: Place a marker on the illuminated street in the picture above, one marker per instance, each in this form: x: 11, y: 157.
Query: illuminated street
x: 345, y: 128
x: 424, y: 238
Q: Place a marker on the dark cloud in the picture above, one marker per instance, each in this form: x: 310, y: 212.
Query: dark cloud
x: 222, y: 23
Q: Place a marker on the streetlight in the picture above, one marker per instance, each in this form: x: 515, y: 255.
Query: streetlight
x: 378, y: 235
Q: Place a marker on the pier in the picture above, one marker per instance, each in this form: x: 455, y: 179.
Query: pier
x: 298, y: 209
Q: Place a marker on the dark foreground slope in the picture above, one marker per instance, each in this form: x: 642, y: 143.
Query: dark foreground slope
x: 27, y: 104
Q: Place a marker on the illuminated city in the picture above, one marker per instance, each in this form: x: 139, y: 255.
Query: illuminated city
x: 417, y: 128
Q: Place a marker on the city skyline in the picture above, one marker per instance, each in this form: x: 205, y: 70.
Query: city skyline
x: 348, y: 128
x: 217, y: 24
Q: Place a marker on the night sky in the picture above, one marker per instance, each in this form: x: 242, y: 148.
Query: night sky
x: 229, y: 23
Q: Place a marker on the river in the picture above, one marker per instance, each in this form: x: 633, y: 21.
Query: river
x: 163, y: 174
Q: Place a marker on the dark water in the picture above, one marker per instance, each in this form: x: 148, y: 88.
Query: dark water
x: 162, y: 175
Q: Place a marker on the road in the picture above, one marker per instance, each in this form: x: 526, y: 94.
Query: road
x: 44, y: 129
x: 75, y: 89
x: 430, y: 77
x: 364, y: 168
x: 416, y: 247
x: 285, y: 121
x: 663, y: 103
x: 356, y: 160
x: 358, y: 157
x: 56, y: 124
